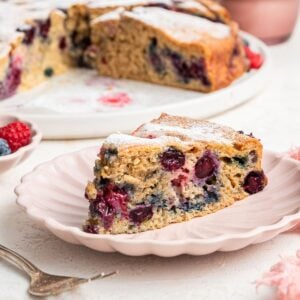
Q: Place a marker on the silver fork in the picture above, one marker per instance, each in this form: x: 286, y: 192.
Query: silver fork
x: 44, y: 284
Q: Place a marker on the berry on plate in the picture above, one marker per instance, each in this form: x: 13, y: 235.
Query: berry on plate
x: 4, y: 148
x: 256, y: 59
x: 17, y: 135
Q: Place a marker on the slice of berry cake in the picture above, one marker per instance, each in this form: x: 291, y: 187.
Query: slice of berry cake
x: 166, y: 47
x: 170, y: 170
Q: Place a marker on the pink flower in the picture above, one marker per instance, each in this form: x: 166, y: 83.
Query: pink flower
x: 285, y: 276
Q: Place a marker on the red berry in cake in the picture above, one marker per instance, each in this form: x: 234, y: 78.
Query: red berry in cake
x: 110, y: 202
x: 62, y: 43
x: 254, y: 182
x: 116, y: 198
x: 17, y: 135
x: 44, y: 27
x: 179, y: 181
x: 172, y: 159
x: 141, y: 214
x: 29, y: 34
x: 205, y: 166
x: 12, y: 80
x: 91, y: 228
x: 256, y: 60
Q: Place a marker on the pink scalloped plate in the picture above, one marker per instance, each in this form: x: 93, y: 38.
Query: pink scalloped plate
x: 59, y: 205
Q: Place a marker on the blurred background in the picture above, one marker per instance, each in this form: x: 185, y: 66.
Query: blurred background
x: 273, y: 21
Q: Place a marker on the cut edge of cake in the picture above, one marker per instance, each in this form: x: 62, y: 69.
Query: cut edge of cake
x: 170, y: 170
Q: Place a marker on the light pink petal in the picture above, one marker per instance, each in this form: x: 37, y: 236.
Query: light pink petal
x: 285, y: 277
x: 294, y: 153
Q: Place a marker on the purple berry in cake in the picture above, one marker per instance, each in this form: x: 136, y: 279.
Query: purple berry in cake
x: 91, y: 228
x: 104, y: 211
x: 254, y: 182
x: 29, y: 34
x: 154, y: 56
x: 12, y: 80
x: 187, y: 70
x: 62, y: 43
x: 172, y: 159
x: 43, y: 28
x: 141, y: 214
x: 206, y: 166
x: 110, y: 202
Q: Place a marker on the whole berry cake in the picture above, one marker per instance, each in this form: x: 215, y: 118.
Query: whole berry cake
x: 39, y: 44
x: 170, y: 170
x: 166, y: 47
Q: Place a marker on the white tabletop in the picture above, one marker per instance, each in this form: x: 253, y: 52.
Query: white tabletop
x: 274, y: 116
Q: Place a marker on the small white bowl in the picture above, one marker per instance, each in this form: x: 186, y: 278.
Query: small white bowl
x: 9, y: 161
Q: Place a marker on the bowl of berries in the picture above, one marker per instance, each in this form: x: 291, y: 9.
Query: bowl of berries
x: 18, y: 139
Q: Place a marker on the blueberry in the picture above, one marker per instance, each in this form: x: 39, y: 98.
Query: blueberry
x: 187, y: 69
x: 155, y: 199
x: 48, y: 72
x: 241, y: 160
x: 172, y: 159
x: 108, y: 153
x: 254, y: 182
x: 4, y: 148
x: 141, y: 214
x: 211, y: 197
x: 187, y: 206
x: 154, y: 57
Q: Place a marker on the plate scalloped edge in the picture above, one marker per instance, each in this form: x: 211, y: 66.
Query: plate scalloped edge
x: 139, y: 247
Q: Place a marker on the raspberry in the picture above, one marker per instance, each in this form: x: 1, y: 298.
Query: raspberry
x: 17, y: 135
x: 256, y: 59
x: 4, y: 148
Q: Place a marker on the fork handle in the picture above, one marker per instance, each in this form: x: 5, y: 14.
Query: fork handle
x: 18, y: 260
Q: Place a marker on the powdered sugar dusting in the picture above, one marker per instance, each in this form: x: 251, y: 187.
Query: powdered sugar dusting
x: 285, y: 277
x: 183, y: 27
x: 206, y: 132
x: 193, y: 5
x: 119, y: 139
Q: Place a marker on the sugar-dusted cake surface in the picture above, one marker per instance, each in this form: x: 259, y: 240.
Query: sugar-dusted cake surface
x: 50, y: 37
x: 170, y: 170
x: 167, y: 47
